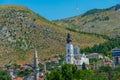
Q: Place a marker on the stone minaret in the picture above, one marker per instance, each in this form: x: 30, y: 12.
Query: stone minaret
x: 69, y: 50
x: 36, y: 69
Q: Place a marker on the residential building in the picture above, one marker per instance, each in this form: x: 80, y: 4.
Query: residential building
x: 116, y: 56
x: 95, y: 55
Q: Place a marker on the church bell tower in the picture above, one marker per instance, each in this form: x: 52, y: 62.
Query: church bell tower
x: 69, y: 50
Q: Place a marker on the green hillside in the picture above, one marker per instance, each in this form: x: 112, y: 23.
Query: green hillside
x: 21, y: 29
x: 100, y: 21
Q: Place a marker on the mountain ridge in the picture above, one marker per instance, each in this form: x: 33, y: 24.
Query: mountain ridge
x: 100, y: 21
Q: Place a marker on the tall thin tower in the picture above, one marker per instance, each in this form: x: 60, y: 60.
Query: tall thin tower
x: 69, y: 50
x: 36, y: 69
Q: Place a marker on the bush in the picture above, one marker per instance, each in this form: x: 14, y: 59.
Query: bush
x: 4, y: 75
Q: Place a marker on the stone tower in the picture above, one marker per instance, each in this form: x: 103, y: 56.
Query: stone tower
x: 69, y: 50
x: 36, y: 68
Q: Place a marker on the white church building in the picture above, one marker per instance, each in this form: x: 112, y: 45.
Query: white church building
x: 73, y: 55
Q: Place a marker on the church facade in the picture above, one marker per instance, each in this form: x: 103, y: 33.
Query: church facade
x: 73, y: 55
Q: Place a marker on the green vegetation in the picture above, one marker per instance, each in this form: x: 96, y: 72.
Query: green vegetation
x: 21, y: 30
x: 4, y: 75
x: 24, y: 73
x: 92, y: 60
x: 70, y: 72
x: 104, y: 48
x: 95, y: 34
x: 93, y: 11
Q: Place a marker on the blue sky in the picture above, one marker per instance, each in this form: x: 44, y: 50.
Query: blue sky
x: 60, y: 9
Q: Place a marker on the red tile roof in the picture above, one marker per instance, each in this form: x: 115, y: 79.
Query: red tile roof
x: 41, y: 78
x: 19, y: 78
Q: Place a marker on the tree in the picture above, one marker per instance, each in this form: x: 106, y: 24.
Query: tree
x: 108, y: 70
x: 68, y: 70
x: 4, y: 75
x: 55, y: 75
x: 26, y: 72
x: 65, y: 73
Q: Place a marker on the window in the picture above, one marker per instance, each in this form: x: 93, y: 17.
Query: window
x: 68, y: 55
x: 68, y: 60
x: 77, y: 61
x: 68, y: 51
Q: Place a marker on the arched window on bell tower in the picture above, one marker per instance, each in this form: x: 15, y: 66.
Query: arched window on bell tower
x: 68, y: 51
